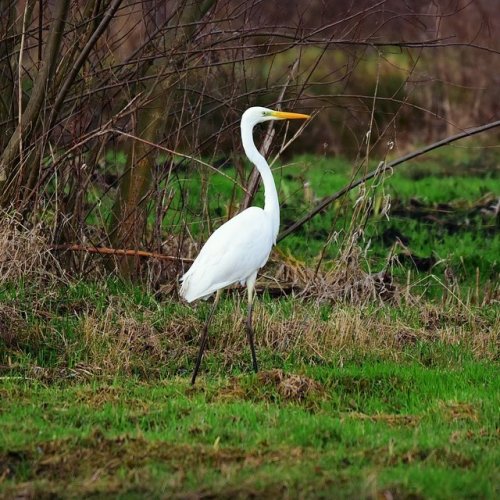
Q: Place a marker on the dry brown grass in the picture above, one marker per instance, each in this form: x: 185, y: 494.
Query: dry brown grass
x: 115, y: 342
x: 336, y: 313
x: 346, y: 281
x: 119, y: 342
x: 389, y: 419
x: 23, y: 251
x: 272, y: 384
x: 131, y: 339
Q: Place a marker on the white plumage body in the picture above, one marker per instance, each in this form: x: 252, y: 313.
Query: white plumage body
x: 240, y: 247
x: 233, y: 253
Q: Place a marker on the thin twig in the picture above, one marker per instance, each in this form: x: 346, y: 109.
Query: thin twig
x: 176, y: 153
x: 20, y: 86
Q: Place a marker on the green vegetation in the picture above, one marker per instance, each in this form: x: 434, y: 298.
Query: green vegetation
x: 378, y: 398
x: 442, y: 213
x: 359, y: 430
x: 350, y: 401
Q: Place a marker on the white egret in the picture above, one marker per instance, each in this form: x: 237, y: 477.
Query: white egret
x: 240, y: 247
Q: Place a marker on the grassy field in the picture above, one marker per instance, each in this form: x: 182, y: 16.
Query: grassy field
x: 364, y: 429
x: 377, y: 398
x: 441, y: 212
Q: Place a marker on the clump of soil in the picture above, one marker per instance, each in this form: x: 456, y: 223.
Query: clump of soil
x: 292, y: 387
x: 274, y: 385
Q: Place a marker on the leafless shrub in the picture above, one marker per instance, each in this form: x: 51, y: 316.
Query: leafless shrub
x: 164, y: 83
x: 347, y: 281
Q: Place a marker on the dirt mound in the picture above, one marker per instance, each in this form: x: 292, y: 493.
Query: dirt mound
x: 292, y: 387
x: 273, y: 385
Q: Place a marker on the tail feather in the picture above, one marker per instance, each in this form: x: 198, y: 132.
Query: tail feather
x: 185, y: 291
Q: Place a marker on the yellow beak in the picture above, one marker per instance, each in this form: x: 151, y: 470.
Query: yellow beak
x: 284, y: 115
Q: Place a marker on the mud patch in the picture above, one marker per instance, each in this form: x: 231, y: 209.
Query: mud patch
x: 291, y: 387
x: 97, y: 457
x: 454, y: 411
x: 436, y: 456
x: 387, y: 418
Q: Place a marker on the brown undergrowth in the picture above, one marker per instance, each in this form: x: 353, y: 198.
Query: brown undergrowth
x: 332, y: 314
x: 23, y: 251
x: 131, y: 340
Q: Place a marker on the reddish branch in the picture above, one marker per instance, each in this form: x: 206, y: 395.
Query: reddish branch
x: 119, y: 251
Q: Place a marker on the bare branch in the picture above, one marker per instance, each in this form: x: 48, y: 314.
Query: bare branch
x: 119, y: 251
x: 38, y: 94
x: 384, y: 167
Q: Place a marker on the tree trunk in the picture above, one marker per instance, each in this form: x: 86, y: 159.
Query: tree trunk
x: 128, y: 221
x: 7, y: 78
x: 129, y: 210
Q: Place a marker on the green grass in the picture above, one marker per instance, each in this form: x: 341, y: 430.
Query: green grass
x: 96, y: 398
x: 441, y: 208
x: 123, y: 329
x: 379, y: 400
x: 371, y: 428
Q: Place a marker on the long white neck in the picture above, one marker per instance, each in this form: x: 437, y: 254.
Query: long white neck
x: 271, y: 205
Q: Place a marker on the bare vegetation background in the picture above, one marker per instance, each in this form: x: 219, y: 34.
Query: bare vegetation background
x: 161, y: 86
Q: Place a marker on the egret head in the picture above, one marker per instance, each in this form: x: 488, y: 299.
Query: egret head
x: 258, y: 114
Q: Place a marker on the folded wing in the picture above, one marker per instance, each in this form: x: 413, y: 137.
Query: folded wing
x: 233, y: 253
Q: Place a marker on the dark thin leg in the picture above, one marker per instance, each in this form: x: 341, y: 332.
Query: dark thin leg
x: 249, y: 330
x: 203, y: 340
